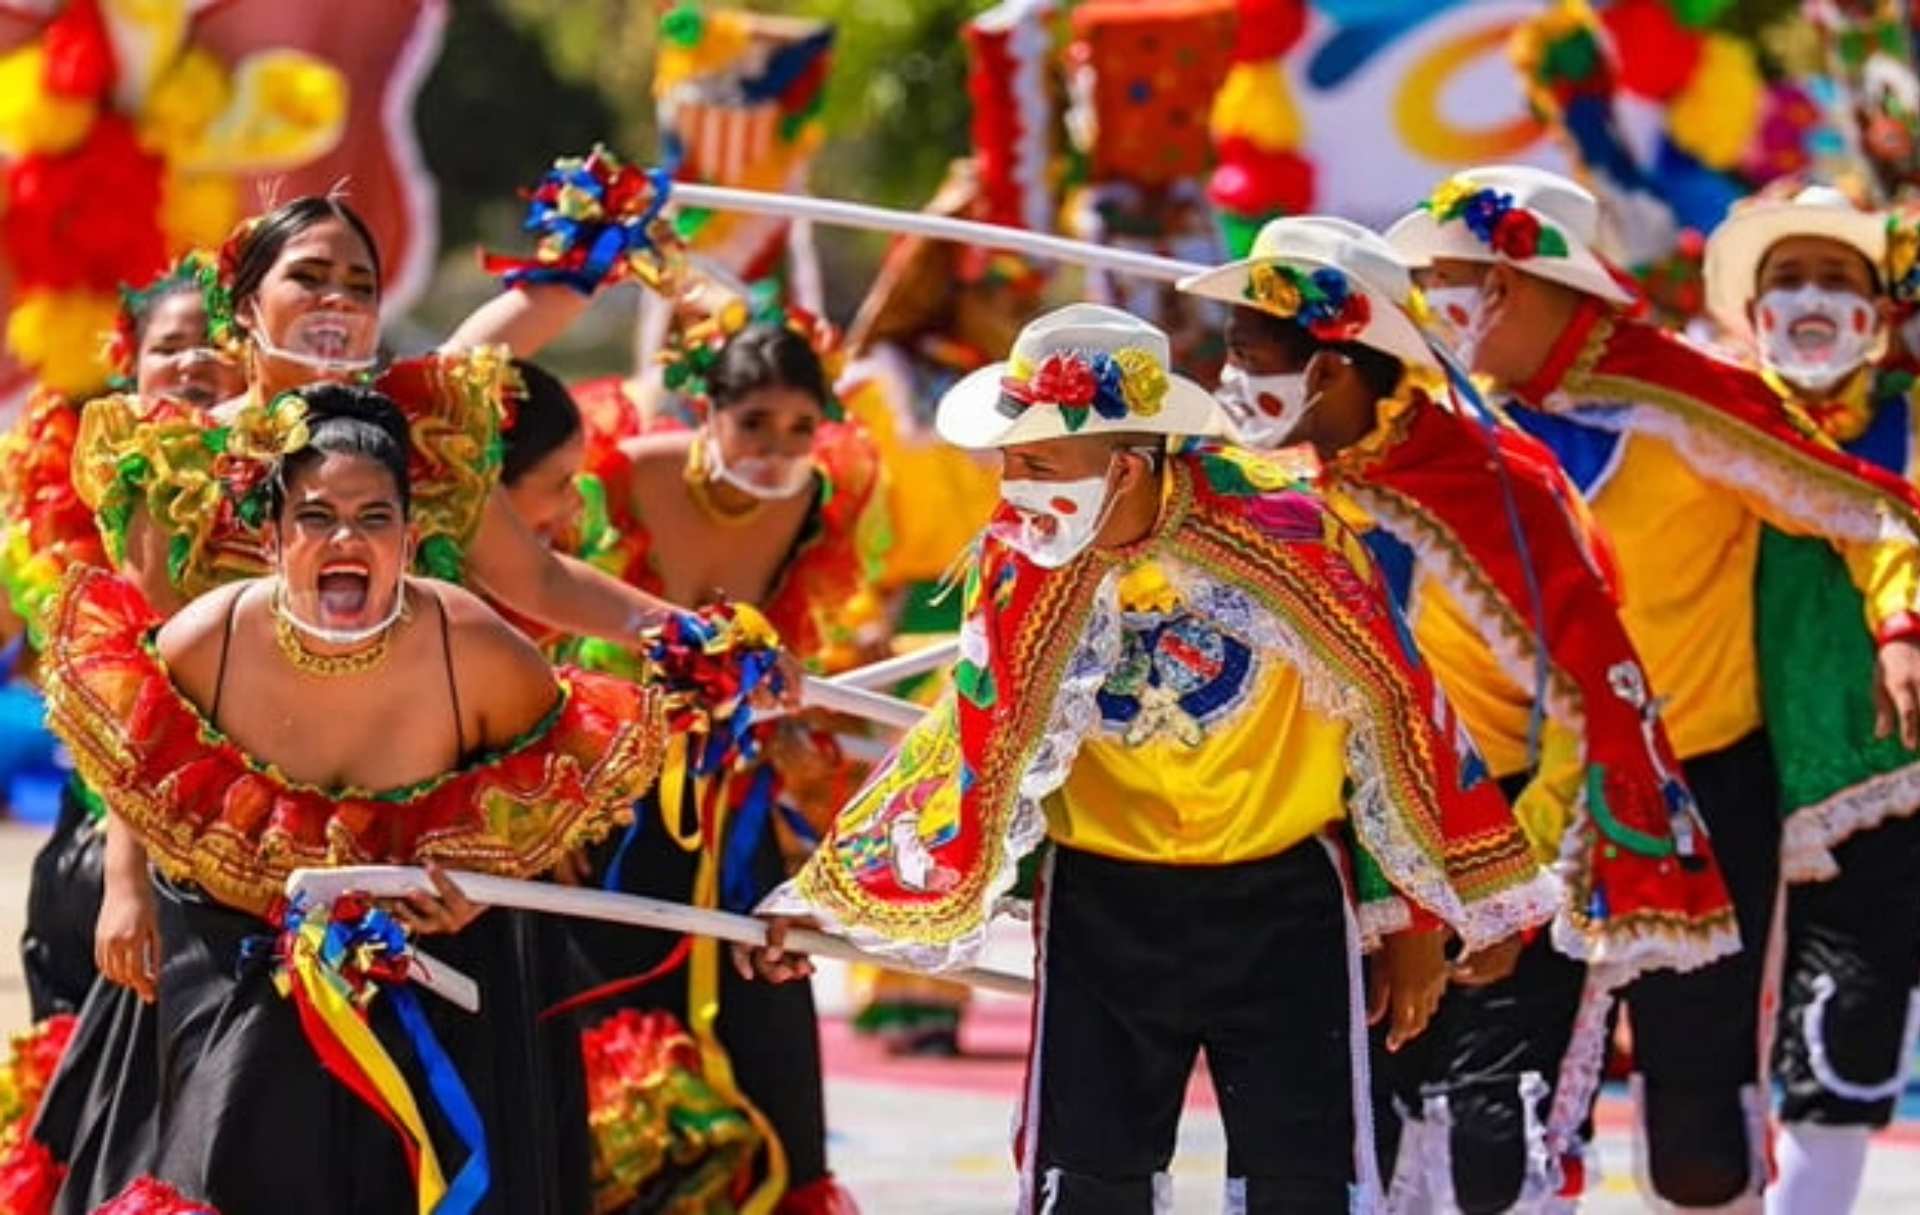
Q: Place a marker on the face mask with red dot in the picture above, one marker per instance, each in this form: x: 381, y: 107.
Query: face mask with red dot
x: 1263, y: 409
x: 1052, y: 522
x: 1814, y: 338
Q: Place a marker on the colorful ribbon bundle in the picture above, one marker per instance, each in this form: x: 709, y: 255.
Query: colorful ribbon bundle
x: 333, y: 962
x: 597, y: 220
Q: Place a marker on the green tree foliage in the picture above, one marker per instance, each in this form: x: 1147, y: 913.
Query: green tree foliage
x: 492, y: 115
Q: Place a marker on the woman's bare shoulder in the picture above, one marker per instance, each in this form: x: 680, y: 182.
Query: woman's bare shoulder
x: 191, y: 640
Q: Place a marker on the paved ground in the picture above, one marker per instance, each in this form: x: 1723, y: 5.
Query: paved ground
x: 930, y: 1138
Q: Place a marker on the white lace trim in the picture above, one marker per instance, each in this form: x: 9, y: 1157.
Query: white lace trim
x: 1580, y: 1067
x: 1075, y: 713
x: 1379, y: 828
x: 1812, y: 831
x: 1380, y: 919
x: 1816, y: 502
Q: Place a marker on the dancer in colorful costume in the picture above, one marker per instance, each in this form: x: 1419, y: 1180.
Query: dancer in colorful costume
x: 97, y: 1118
x: 163, y: 350
x: 1139, y: 624
x: 277, y: 693
x: 1802, y: 277
x: 774, y: 500
x: 1683, y: 458
x: 1487, y: 547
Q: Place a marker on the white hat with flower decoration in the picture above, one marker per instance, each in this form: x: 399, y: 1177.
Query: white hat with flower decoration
x: 1533, y: 220
x: 1340, y: 281
x: 1085, y: 369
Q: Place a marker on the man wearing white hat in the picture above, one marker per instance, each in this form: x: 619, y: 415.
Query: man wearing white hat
x: 1803, y: 279
x: 1488, y: 548
x: 1682, y: 457
x: 1182, y: 670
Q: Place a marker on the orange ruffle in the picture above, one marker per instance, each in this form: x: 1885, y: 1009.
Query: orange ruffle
x: 210, y: 814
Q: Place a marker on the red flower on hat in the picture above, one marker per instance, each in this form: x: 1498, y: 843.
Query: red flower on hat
x: 1517, y: 235
x: 1062, y: 379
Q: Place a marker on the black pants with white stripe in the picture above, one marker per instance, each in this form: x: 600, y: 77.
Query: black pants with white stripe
x: 1142, y: 967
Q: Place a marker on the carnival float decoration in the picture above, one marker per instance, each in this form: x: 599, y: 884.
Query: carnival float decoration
x: 134, y: 130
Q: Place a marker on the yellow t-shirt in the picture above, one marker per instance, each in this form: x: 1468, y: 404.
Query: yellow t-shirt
x: 1207, y: 752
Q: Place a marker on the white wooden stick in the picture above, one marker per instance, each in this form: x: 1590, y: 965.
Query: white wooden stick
x: 904, y: 666
x: 842, y: 214
x: 818, y: 693
x: 394, y: 881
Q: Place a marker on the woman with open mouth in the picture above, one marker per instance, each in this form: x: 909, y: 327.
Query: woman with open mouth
x: 384, y: 719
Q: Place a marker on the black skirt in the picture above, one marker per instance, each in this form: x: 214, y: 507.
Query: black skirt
x: 97, y: 1117
x: 251, y: 1123
x: 63, y: 901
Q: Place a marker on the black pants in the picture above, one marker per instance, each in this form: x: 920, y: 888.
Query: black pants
x: 1484, y: 1074
x: 1142, y: 966
x: 1853, y: 963
x: 63, y: 901
x: 769, y: 1030
x: 1697, y: 1035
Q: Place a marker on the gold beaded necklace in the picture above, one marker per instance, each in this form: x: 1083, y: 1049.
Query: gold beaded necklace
x: 293, y: 646
x: 701, y: 492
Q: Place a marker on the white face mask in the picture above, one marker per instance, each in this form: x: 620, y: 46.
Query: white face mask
x: 769, y: 478
x: 323, y: 342
x: 1814, y: 338
x: 283, y: 607
x: 1458, y: 310
x: 1055, y: 521
x: 1264, y: 409
x: 1910, y: 336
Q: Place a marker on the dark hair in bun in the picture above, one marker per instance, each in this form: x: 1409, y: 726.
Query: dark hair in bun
x: 347, y: 420
x: 264, y: 241
x: 766, y: 356
x: 545, y: 418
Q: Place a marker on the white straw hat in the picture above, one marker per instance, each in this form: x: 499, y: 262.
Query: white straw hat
x: 1533, y: 220
x: 1338, y: 279
x: 1084, y: 369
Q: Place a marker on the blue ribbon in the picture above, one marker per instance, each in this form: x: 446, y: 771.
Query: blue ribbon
x: 468, y: 1186
x: 738, y: 890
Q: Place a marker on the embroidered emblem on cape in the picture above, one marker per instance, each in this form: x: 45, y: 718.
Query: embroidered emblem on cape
x: 1178, y: 674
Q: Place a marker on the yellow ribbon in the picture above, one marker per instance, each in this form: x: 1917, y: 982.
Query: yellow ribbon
x: 703, y: 1008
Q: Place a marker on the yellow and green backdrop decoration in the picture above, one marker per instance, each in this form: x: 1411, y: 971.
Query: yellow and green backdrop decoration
x: 125, y: 144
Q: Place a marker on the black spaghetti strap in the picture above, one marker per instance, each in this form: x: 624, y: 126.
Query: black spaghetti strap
x: 226, y: 647
x: 453, y: 685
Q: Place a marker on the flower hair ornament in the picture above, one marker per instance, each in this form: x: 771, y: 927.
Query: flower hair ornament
x: 196, y: 271
x: 1512, y: 232
x: 1113, y: 384
x: 692, y: 352
x: 1322, y: 301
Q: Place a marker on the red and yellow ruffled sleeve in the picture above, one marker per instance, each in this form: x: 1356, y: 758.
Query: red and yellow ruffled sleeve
x: 45, y: 527
x: 173, y: 462
x: 456, y: 408
x: 212, y: 815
